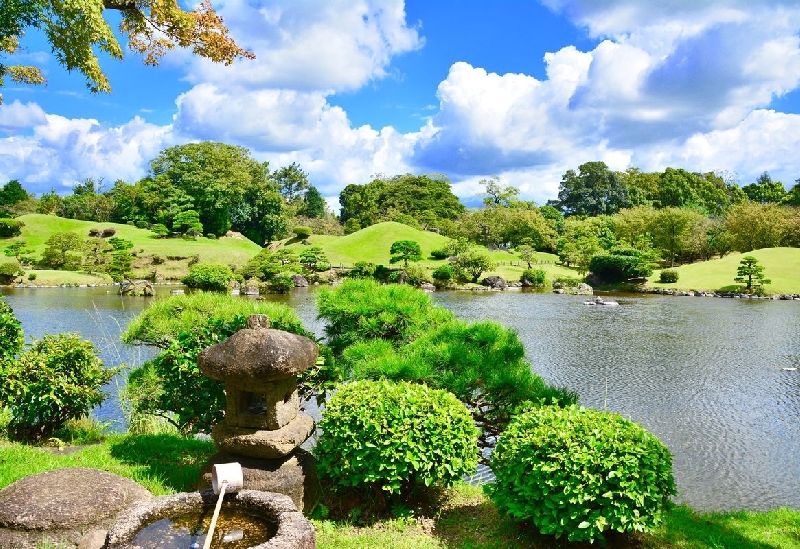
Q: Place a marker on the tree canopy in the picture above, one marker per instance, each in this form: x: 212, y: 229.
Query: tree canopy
x: 427, y: 199
x: 78, y: 30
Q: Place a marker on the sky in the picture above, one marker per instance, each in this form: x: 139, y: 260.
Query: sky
x: 472, y: 89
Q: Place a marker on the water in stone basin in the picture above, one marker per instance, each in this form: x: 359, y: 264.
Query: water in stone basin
x: 235, y: 529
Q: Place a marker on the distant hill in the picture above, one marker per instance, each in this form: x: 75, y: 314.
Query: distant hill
x: 373, y: 243
x: 151, y: 253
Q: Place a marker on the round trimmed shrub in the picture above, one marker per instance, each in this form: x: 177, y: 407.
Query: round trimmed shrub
x: 581, y: 472
x: 440, y: 254
x: 302, y: 232
x: 668, y: 276
x: 392, y: 436
x: 209, y: 276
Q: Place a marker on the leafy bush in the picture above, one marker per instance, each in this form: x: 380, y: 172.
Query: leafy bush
x: 8, y: 271
x: 211, y: 236
x: 302, y: 232
x: 581, y: 472
x: 362, y: 269
x: 281, y: 283
x: 159, y: 230
x: 440, y: 254
x: 620, y: 264
x: 417, y: 274
x: 31, y: 276
x: 536, y: 277
x: 443, y: 275
x: 10, y: 227
x: 209, y: 276
x: 141, y: 224
x: 58, y: 378
x: 470, y: 264
x: 11, y: 336
x: 394, y: 435
x: 94, y: 232
x: 107, y: 232
x: 157, y: 259
x: 668, y: 276
x: 364, y: 309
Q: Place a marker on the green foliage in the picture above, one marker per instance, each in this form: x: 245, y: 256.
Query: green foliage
x: 63, y: 251
x: 668, y: 276
x: 405, y: 251
x: 417, y: 275
x: 364, y: 309
x: 483, y: 364
x: 58, y: 378
x: 171, y: 385
x: 443, y: 274
x: 159, y: 230
x: 428, y: 200
x: 440, y: 254
x: 471, y: 264
x: 8, y: 271
x: 594, y: 190
x: 313, y: 258
x: 281, y: 284
x: 160, y: 323
x: 362, y: 269
x: 210, y: 277
x: 534, y: 277
x: 302, y: 232
x: 10, y: 227
x: 11, y: 337
x: 620, y: 264
x: 393, y: 436
x: 580, y: 473
x: 752, y: 274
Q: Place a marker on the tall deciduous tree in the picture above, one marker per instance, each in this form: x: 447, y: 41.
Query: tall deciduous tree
x: 215, y: 175
x: 593, y: 190
x: 78, y: 31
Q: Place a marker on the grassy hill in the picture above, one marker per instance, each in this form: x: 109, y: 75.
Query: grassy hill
x: 39, y: 227
x: 781, y: 265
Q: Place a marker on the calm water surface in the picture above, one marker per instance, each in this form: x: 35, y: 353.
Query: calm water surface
x: 703, y: 374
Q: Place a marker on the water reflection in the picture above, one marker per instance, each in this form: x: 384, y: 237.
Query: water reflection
x: 703, y: 374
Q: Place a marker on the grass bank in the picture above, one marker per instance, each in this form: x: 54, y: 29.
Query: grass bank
x: 166, y: 257
x: 459, y: 518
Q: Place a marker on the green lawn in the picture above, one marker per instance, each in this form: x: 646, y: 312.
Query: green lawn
x: 781, y: 265
x: 39, y: 227
x: 460, y: 518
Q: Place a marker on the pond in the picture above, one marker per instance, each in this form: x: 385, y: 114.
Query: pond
x: 705, y: 375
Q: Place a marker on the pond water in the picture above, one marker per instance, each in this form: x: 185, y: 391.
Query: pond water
x: 705, y: 375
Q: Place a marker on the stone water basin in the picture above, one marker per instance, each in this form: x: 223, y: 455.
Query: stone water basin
x: 249, y: 519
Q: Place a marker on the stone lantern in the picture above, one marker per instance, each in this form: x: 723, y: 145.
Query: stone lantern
x: 263, y: 427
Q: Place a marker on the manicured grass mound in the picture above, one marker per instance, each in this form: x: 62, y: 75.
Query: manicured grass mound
x: 394, y: 435
x: 781, y: 266
x: 578, y: 472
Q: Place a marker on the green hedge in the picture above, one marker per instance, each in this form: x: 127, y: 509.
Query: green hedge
x: 394, y: 435
x: 579, y: 473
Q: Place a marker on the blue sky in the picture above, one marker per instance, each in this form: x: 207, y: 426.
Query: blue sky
x: 523, y: 90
